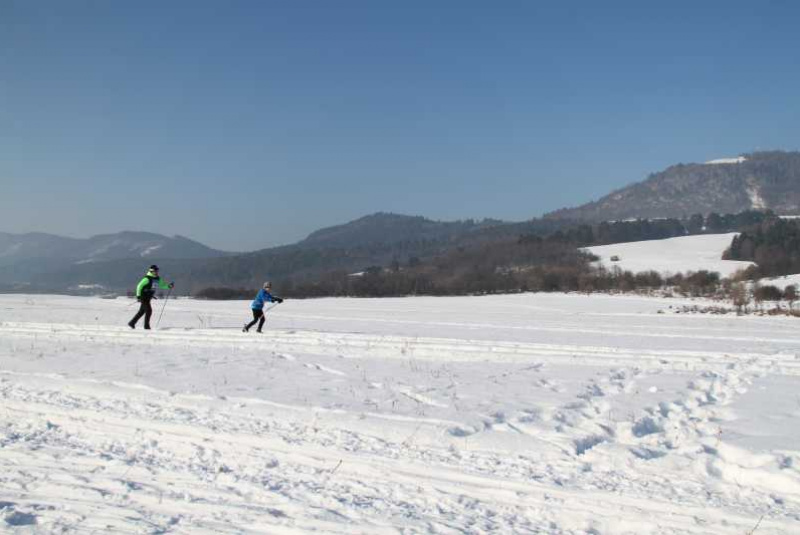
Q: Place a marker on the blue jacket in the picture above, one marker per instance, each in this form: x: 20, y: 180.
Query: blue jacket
x: 258, y: 302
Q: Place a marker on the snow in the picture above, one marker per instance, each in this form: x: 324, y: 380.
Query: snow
x: 150, y: 250
x: 100, y: 251
x: 757, y: 202
x: 529, y: 413
x: 672, y: 255
x: 11, y: 250
x: 782, y: 282
x: 722, y: 161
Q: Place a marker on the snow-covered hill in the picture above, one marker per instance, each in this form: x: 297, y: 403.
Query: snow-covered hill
x: 756, y: 181
x: 57, y: 251
x: 726, y: 161
x: 533, y: 413
x: 673, y: 255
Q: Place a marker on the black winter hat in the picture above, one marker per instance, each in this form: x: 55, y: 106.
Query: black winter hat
x: 154, y: 267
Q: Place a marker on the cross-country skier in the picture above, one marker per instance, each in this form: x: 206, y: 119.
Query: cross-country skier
x: 257, y: 306
x: 145, y: 293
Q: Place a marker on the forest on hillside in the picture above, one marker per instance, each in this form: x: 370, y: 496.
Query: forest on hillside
x: 773, y: 244
x: 528, y: 262
x: 770, y: 179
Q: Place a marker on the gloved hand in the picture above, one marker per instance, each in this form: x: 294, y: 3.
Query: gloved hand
x: 171, y: 285
x: 279, y: 300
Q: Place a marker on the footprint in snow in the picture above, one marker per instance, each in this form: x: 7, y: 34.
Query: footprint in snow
x: 458, y: 431
x: 17, y: 518
x: 324, y: 369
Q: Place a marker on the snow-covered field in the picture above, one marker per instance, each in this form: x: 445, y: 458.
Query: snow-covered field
x: 533, y: 413
x: 672, y: 255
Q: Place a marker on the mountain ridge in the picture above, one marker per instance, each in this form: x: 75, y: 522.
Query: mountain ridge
x: 760, y: 180
x: 730, y: 185
x: 42, y: 246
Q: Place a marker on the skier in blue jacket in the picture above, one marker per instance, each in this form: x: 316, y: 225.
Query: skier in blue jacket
x: 257, y: 306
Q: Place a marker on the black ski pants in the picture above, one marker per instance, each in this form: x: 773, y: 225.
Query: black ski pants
x: 144, y: 310
x: 258, y: 316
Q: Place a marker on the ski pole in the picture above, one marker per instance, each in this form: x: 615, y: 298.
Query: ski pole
x: 265, y: 312
x: 163, y: 307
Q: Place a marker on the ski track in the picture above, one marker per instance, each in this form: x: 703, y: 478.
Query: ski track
x: 229, y: 469
x: 129, y: 457
x: 355, y: 345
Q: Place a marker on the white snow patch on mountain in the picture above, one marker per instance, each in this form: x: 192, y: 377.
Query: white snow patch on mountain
x: 672, y: 255
x: 150, y: 250
x: 11, y: 250
x: 104, y: 249
x: 757, y: 202
x: 719, y: 161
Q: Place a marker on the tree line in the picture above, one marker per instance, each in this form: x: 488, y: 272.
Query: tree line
x: 773, y: 244
x: 529, y: 262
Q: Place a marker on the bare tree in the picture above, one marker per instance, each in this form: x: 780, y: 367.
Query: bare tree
x: 790, y: 294
x: 741, y: 297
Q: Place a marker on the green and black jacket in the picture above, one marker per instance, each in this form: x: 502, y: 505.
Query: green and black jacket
x: 145, y: 286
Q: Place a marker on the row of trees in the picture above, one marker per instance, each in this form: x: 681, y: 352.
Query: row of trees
x: 608, y: 232
x: 538, y: 263
x: 533, y: 265
x: 774, y: 245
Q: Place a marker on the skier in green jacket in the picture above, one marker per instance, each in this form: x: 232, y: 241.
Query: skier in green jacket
x: 145, y: 293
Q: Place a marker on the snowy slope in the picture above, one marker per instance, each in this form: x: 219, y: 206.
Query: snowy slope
x: 673, y: 255
x: 783, y: 281
x: 535, y: 413
x: 722, y: 161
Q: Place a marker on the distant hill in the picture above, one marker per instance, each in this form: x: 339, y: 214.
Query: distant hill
x: 111, y: 264
x: 378, y: 239
x: 760, y: 181
x: 393, y: 228
x: 38, y: 258
x: 16, y: 248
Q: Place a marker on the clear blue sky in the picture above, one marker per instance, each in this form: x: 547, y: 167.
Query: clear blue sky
x: 247, y: 124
